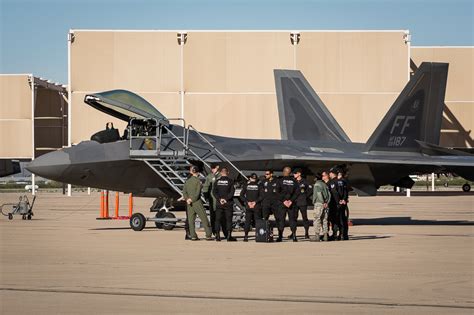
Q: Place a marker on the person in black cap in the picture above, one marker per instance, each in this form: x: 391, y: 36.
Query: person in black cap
x: 339, y: 195
x: 304, y: 191
x: 286, y: 188
x: 224, y: 192
x: 252, y: 195
x: 343, y: 187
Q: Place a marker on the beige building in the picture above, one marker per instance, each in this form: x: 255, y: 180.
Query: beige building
x: 222, y: 81
x: 33, y: 116
x: 458, y: 123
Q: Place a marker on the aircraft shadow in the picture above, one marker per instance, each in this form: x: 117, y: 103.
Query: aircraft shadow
x: 408, y: 221
x: 426, y: 193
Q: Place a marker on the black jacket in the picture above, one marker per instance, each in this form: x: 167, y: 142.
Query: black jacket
x: 224, y: 189
x: 304, y: 191
x: 286, y: 188
x: 252, y: 191
x: 338, y: 189
x: 269, y: 190
x: 343, y: 189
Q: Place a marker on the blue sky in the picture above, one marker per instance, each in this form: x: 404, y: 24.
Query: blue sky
x: 33, y: 33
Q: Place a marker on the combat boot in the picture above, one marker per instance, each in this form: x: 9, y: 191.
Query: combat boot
x: 280, y: 236
x: 230, y: 238
x: 325, y: 237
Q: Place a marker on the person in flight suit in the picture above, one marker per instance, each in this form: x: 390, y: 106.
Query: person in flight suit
x: 286, y: 188
x: 343, y: 186
x: 207, y: 192
x: 192, y: 195
x: 321, y: 198
x: 270, y: 202
x: 251, y: 194
x: 304, y: 191
x: 224, y: 192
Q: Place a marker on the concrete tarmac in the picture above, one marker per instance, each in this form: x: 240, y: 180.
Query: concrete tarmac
x: 406, y: 255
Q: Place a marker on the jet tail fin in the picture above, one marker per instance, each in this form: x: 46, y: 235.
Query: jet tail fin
x: 303, y: 116
x: 416, y: 114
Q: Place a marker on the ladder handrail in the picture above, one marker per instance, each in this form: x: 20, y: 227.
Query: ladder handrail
x: 218, y: 151
x: 185, y: 145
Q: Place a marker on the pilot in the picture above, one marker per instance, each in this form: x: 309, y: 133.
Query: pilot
x: 251, y: 194
x: 321, y: 198
x: 270, y: 199
x: 286, y: 189
x: 343, y: 186
x: 224, y: 193
x: 304, y: 191
x: 192, y: 195
x: 207, y: 192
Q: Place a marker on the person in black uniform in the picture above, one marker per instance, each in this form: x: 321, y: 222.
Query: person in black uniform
x: 270, y: 202
x: 224, y: 192
x: 332, y: 213
x: 286, y: 188
x: 339, y: 195
x: 304, y: 191
x: 343, y: 187
x: 251, y: 194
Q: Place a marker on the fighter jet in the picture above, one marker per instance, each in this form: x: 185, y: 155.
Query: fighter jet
x: 150, y: 159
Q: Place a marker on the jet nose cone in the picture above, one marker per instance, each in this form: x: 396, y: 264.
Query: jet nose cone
x: 51, y: 165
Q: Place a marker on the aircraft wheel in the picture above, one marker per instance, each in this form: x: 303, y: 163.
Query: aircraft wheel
x: 466, y: 187
x: 159, y: 214
x: 137, y: 222
x: 10, y: 216
x: 169, y: 225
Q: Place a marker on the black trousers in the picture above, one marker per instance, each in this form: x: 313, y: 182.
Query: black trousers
x: 252, y: 214
x: 270, y: 207
x: 304, y: 215
x: 292, y: 217
x: 334, y: 219
x: 224, y: 212
x: 340, y: 221
x: 345, y: 220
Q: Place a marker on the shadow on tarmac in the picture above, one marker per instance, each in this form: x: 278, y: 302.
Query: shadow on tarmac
x: 426, y: 193
x: 407, y: 221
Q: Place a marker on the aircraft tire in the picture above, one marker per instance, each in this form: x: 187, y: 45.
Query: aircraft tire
x: 169, y: 226
x: 137, y: 222
x: 466, y: 187
x: 159, y: 214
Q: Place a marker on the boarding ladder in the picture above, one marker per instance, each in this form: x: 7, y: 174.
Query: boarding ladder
x: 168, y: 154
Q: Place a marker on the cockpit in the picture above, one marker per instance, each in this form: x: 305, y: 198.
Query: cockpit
x: 142, y: 117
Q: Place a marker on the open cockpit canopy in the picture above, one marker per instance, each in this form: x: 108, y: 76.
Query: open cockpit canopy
x: 124, y: 105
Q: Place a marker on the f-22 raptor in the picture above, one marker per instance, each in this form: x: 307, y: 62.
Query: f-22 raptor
x: 151, y: 160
